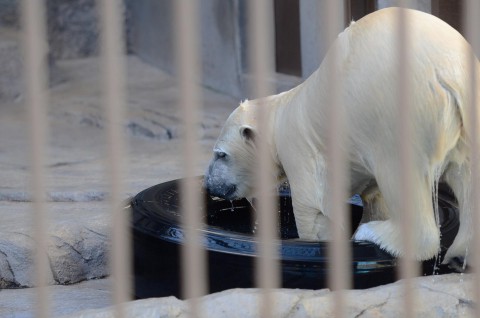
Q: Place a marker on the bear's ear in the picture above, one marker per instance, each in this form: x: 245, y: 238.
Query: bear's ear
x: 247, y: 133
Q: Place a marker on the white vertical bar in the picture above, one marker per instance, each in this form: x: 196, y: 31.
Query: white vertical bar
x: 113, y: 72
x: 261, y: 61
x: 194, y: 270
x: 339, y: 249
x: 408, y: 265
x: 472, y: 29
x: 36, y: 81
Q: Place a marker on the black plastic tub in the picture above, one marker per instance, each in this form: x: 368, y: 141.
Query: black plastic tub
x: 230, y: 245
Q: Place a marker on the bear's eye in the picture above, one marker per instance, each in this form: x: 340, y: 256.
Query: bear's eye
x: 220, y: 154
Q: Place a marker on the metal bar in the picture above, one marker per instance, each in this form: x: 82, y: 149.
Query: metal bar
x: 261, y: 59
x: 194, y: 269
x: 113, y: 72
x: 408, y: 266
x: 35, y: 49
x: 472, y: 30
x: 339, y: 248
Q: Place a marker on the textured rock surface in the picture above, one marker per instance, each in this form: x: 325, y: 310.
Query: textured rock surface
x: 77, y: 248
x: 73, y: 28
x: 10, y: 65
x: 9, y: 13
x: 440, y: 296
x: 73, y: 32
x: 64, y: 300
x: 76, y: 174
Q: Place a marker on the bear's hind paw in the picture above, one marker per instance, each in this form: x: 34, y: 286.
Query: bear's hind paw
x: 388, y: 236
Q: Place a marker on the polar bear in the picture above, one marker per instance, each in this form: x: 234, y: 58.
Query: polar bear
x: 296, y: 133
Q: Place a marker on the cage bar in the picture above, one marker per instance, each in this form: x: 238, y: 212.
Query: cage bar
x: 35, y: 50
x: 261, y: 60
x: 194, y: 262
x: 408, y: 265
x: 114, y: 99
x: 339, y: 251
x: 472, y: 30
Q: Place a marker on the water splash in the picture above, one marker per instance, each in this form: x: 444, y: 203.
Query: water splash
x: 255, y: 227
x: 435, y: 199
x: 464, y: 265
x: 255, y: 222
x: 436, y: 267
x: 437, y: 176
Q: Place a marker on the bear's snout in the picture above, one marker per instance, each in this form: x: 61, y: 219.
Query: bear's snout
x: 220, y: 189
x: 219, y: 182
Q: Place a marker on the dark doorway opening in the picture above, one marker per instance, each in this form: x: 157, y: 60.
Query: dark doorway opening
x: 449, y: 11
x: 287, y: 37
x: 356, y: 9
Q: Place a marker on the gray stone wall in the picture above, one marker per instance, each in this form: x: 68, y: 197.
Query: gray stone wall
x: 8, y: 13
x: 72, y: 28
x: 73, y: 32
x: 10, y: 65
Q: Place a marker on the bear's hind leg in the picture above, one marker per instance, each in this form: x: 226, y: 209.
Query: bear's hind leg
x: 388, y: 234
x: 374, y: 207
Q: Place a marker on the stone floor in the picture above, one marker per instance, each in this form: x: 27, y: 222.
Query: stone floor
x: 64, y: 300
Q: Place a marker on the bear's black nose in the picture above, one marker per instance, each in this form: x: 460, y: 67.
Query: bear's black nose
x: 222, y: 191
x: 230, y: 193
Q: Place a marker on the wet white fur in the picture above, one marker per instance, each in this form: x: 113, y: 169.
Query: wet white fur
x: 367, y: 59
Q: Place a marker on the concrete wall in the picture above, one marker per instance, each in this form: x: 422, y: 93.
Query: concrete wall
x: 152, y: 38
x: 73, y: 33
x: 314, y: 45
x: 151, y: 32
x: 223, y: 42
x: 422, y: 5
x: 222, y: 45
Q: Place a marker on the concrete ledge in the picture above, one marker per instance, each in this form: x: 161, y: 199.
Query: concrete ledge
x: 77, y: 248
x: 439, y: 296
x: 64, y: 300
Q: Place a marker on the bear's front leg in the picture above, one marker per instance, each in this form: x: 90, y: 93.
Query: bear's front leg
x: 312, y: 225
x: 306, y: 185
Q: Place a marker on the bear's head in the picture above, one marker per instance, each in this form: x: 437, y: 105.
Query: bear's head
x: 230, y: 173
